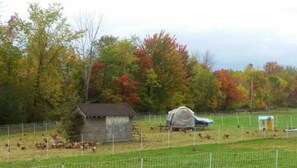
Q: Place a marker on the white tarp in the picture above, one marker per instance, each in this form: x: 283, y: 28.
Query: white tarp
x: 181, y: 117
x: 184, y: 117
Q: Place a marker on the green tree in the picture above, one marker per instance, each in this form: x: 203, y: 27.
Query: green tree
x: 255, y: 82
x: 13, y: 87
x: 203, y: 88
x: 46, y: 37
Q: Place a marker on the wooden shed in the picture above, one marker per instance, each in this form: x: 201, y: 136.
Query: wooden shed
x: 266, y: 123
x: 106, y: 122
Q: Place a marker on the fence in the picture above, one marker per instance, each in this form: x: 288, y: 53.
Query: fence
x: 27, y: 127
x: 227, y: 128
x: 264, y: 159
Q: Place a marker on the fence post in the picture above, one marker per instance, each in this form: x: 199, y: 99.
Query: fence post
x: 287, y: 129
x: 219, y: 134
x: 250, y: 120
x: 47, y: 147
x: 237, y: 118
x: 210, y: 159
x: 168, y: 136
x: 112, y: 143
x: 222, y: 119
x: 160, y: 118
x: 276, y: 158
x: 34, y: 128
x: 141, y: 162
x: 63, y: 165
x: 8, y: 142
x: 194, y: 136
x: 22, y: 129
x: 141, y: 141
x: 46, y: 127
x: 242, y: 132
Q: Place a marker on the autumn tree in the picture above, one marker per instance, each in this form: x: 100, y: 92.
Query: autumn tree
x: 278, y: 85
x: 125, y: 89
x: 230, y: 93
x: 116, y: 62
x: 163, y: 72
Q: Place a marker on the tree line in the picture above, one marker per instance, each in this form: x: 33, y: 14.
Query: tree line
x: 47, y: 67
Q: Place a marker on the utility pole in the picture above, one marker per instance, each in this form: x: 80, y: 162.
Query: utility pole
x: 252, y: 92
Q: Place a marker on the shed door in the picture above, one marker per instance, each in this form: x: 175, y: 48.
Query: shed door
x: 270, y: 124
x: 118, y: 128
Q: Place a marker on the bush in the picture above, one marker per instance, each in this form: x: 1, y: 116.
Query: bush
x: 72, y: 124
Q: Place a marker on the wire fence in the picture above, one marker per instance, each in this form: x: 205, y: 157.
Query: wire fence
x: 264, y: 159
x: 35, y: 140
x: 27, y: 127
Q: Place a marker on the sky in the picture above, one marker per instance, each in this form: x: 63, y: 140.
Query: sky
x: 235, y: 32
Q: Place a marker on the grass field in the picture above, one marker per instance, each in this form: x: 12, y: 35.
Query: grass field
x: 241, y: 127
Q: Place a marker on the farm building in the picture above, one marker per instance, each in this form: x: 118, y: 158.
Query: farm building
x: 105, y: 122
x: 266, y: 122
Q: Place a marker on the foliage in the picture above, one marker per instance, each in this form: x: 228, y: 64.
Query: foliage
x: 46, y: 39
x: 230, y: 93
x: 44, y: 73
x: 72, y: 123
x: 203, y: 88
x: 163, y: 60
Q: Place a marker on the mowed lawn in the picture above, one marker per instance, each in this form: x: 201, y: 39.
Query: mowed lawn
x: 241, y: 128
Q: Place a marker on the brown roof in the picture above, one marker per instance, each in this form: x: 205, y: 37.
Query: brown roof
x: 106, y: 109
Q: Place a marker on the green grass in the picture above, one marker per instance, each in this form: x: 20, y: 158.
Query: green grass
x: 265, y: 147
x: 246, y: 138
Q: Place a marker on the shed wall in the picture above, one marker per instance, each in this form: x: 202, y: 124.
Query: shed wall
x: 118, y: 128
x: 94, y: 129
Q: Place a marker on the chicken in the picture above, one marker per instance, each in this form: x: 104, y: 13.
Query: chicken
x: 208, y: 136
x: 226, y: 136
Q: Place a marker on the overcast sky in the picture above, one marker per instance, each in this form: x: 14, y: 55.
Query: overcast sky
x: 235, y: 32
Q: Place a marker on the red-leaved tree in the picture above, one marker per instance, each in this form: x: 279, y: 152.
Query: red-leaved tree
x: 230, y: 93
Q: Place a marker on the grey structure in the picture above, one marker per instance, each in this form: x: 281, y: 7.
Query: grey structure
x: 106, y: 122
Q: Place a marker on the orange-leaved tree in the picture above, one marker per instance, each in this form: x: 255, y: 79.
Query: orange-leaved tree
x: 230, y: 93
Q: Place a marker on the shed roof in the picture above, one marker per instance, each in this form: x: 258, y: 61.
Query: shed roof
x: 265, y: 117
x: 106, y: 109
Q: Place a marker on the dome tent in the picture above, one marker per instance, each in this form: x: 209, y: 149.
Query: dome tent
x: 184, y: 117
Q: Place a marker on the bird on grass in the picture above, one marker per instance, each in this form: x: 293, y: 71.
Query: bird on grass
x: 226, y: 136
x: 208, y: 136
x: 18, y: 144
